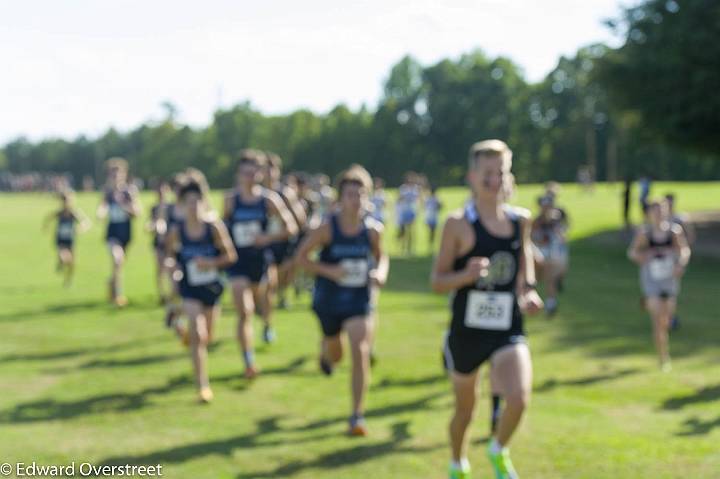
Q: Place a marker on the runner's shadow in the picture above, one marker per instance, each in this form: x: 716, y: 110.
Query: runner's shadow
x: 390, y: 382
x: 397, y: 444
x: 551, y: 384
x: 698, y: 427
x: 71, y: 353
x: 62, y: 308
x: 51, y: 409
x: 706, y: 394
x: 224, y: 447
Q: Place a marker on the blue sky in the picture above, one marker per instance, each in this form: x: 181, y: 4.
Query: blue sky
x: 79, y: 66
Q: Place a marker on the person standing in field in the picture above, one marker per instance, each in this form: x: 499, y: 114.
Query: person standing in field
x: 66, y: 219
x: 433, y: 206
x: 248, y: 210
x: 486, y: 259
x: 661, y: 251
x: 351, y: 258
x: 202, y: 246
x: 119, y: 205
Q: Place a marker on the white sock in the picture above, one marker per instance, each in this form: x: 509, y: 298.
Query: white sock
x: 463, y: 464
x: 495, y: 446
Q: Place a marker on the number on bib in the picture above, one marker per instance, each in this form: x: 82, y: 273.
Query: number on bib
x: 198, y: 277
x: 356, y: 273
x: 244, y: 233
x: 661, y: 268
x: 117, y: 214
x: 65, y: 231
x: 489, y: 310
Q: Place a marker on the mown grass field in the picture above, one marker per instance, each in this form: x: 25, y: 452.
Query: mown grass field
x: 81, y: 381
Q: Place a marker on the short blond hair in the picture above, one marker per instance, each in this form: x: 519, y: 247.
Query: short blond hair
x: 355, y: 174
x: 489, y: 149
x: 117, y: 162
x: 193, y: 175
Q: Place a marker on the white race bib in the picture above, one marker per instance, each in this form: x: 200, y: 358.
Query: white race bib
x: 356, y: 272
x: 65, y: 231
x: 244, y: 233
x: 661, y: 268
x: 117, y: 214
x: 489, y: 310
x: 198, y: 277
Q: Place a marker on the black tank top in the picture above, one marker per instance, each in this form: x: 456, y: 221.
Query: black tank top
x: 489, y: 308
x: 659, y: 248
x: 191, y: 248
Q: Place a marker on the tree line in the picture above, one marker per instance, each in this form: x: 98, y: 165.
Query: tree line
x: 648, y: 107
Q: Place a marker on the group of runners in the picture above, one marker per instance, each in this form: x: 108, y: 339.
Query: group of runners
x: 273, y: 227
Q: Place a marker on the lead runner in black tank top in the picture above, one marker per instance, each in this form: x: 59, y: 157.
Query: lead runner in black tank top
x: 485, y: 262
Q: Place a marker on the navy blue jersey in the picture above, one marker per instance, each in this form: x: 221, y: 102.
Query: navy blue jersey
x: 65, y: 233
x: 193, y: 248
x: 489, y: 307
x: 354, y: 254
x: 118, y: 229
x: 247, y: 221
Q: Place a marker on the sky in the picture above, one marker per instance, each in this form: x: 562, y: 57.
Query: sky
x: 79, y: 66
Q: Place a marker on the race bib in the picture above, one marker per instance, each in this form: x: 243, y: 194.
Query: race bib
x: 244, y: 233
x: 356, y: 273
x: 661, y: 268
x: 489, y: 310
x: 65, y: 231
x: 117, y: 214
x: 198, y: 277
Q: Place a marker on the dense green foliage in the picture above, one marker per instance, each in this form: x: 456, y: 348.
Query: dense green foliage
x: 648, y: 107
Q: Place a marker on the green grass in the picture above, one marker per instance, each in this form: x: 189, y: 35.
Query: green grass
x: 81, y: 381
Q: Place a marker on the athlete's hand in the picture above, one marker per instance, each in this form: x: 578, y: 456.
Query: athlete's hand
x: 335, y: 272
x: 261, y: 241
x: 204, y: 264
x: 678, y: 271
x: 374, y: 279
x: 476, y: 268
x: 530, y: 302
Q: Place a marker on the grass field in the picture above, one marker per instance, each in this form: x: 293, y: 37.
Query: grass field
x: 81, y: 381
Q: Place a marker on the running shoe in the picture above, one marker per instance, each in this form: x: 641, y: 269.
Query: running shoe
x: 251, y: 372
x: 269, y: 335
x: 501, y: 463
x: 325, y: 366
x: 205, y: 394
x: 455, y: 472
x: 357, y: 426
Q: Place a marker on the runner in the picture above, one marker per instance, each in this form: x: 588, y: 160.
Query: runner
x: 157, y: 226
x: 485, y: 258
x: 549, y: 235
x: 248, y: 210
x: 282, y: 251
x: 349, y: 242
x: 120, y: 205
x: 66, y: 218
x: 202, y: 247
x: 660, y: 249
x: 378, y: 200
x: 433, y: 205
x: 406, y: 212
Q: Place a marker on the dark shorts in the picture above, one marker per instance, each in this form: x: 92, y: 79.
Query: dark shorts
x: 279, y: 252
x: 464, y: 355
x: 252, y: 266
x: 332, y: 322
x: 208, y: 295
x: 118, y: 233
x: 64, y: 244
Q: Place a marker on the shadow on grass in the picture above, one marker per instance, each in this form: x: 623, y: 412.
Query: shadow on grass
x: 272, y: 425
x: 52, y: 409
x: 551, y: 384
x: 397, y: 444
x: 391, y: 382
x: 72, y: 353
x: 698, y: 427
x: 70, y: 308
x: 706, y: 394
